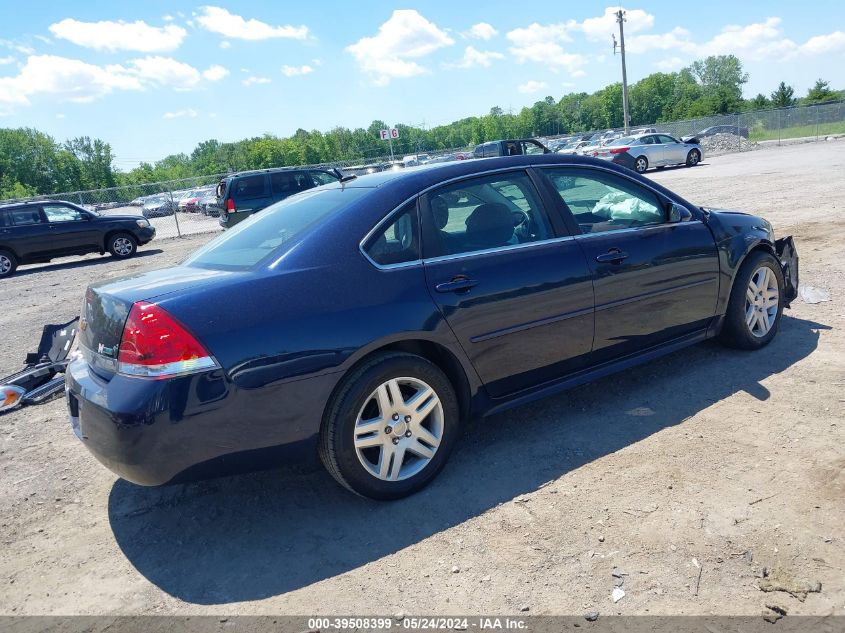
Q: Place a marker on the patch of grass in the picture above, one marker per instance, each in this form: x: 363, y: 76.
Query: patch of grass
x: 798, y: 131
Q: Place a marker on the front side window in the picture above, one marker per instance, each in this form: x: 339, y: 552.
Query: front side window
x: 603, y: 202
x: 322, y: 178
x: 488, y: 212
x: 56, y: 213
x: 23, y: 217
x: 399, y: 242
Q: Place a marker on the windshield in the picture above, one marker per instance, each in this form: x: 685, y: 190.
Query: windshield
x: 261, y: 234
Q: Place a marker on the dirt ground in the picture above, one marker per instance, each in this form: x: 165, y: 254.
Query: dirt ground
x: 686, y: 476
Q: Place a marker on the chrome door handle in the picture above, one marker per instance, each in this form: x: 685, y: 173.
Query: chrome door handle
x: 613, y: 256
x: 457, y: 284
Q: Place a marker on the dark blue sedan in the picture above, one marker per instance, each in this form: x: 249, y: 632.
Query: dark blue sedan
x: 364, y: 320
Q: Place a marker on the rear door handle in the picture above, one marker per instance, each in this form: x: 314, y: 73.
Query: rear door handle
x: 613, y: 256
x: 457, y: 284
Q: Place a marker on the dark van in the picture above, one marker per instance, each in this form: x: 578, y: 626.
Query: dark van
x: 514, y: 147
x: 242, y: 194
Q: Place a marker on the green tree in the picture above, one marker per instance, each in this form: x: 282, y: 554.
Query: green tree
x: 784, y: 96
x: 721, y: 78
x: 820, y: 93
x: 760, y: 102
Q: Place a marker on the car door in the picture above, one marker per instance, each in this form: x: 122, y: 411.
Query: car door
x: 508, y: 278
x: 673, y: 151
x: 653, y: 150
x: 655, y: 267
x: 71, y: 230
x: 28, y: 234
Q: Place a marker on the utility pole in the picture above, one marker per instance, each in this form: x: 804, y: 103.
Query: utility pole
x: 620, y: 17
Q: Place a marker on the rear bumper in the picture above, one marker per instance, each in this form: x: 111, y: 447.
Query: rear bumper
x: 152, y: 432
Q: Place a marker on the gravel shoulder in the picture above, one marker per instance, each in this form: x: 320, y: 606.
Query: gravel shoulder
x: 686, y: 476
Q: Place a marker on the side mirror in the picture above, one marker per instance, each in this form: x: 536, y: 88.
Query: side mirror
x: 677, y: 213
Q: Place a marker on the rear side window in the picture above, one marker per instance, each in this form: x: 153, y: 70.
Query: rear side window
x: 248, y: 187
x: 3, y: 219
x: 266, y: 233
x: 399, y: 242
x: 23, y: 217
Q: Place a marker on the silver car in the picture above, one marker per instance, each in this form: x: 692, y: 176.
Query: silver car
x: 653, y: 150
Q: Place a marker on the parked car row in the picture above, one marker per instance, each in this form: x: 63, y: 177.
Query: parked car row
x: 36, y: 232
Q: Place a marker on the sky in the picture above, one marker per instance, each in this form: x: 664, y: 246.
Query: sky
x: 156, y: 78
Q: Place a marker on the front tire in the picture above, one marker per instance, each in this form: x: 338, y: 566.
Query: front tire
x: 756, y: 303
x: 122, y: 245
x: 8, y: 264
x: 641, y: 164
x: 693, y: 158
x: 390, y: 427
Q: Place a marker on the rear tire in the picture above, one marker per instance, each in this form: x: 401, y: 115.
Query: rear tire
x: 8, y: 264
x: 390, y: 427
x: 693, y: 158
x: 641, y: 164
x: 122, y: 245
x: 754, y: 309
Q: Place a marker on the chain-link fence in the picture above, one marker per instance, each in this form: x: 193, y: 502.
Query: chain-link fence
x: 190, y: 205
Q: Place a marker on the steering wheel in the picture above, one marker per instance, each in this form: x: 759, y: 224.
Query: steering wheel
x: 521, y: 219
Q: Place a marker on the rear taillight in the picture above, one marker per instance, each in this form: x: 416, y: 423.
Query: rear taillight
x: 155, y: 345
x: 230, y: 205
x: 619, y: 150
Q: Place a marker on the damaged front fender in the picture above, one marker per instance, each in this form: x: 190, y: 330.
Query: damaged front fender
x: 785, y: 248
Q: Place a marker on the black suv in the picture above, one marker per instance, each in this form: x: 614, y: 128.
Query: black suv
x: 36, y: 232
x: 242, y: 194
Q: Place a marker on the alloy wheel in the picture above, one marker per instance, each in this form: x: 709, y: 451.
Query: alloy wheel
x: 641, y: 165
x: 762, y: 299
x: 123, y: 246
x: 5, y: 265
x: 399, y: 429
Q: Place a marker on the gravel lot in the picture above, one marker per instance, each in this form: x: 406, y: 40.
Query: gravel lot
x: 687, y: 476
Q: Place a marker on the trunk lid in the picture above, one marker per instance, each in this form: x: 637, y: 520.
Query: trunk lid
x: 107, y: 304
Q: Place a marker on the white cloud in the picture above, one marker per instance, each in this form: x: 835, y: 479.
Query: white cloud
x: 294, y: 71
x: 575, y: 74
x: 481, y: 31
x: 6, y: 60
x: 474, y: 57
x: 752, y: 40
x: 543, y: 44
x: 253, y: 80
x: 404, y: 37
x: 215, y: 72
x: 317, y: 61
x: 190, y: 113
x: 60, y: 115
x: 219, y: 20
x: 669, y: 64
x: 167, y: 18
x: 603, y: 27
x: 531, y: 86
x: 820, y: 44
x: 676, y: 39
x: 14, y: 46
x: 225, y: 44
x: 120, y: 36
x: 65, y: 79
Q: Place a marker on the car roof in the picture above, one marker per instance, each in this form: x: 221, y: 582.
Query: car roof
x: 273, y: 170
x: 434, y: 173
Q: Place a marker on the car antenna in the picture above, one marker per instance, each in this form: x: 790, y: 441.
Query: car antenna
x: 341, y: 178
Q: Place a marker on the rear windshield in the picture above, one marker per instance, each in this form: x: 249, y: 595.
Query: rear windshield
x: 263, y: 233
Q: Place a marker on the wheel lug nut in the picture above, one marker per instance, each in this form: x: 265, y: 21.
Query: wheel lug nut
x: 407, y: 434
x: 395, y: 440
x: 407, y: 418
x: 388, y: 429
x: 395, y: 417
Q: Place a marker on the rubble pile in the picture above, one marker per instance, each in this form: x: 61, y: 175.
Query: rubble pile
x: 725, y: 143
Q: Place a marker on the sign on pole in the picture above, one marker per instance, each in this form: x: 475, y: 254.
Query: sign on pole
x: 389, y: 135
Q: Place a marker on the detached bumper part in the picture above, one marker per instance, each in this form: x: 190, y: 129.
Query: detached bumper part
x: 788, y: 256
